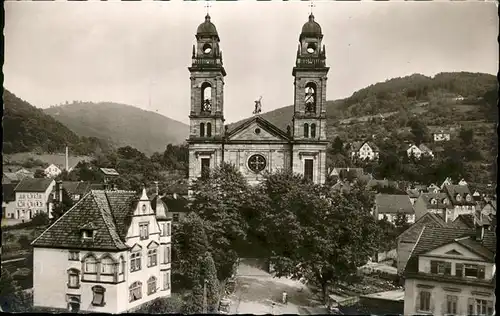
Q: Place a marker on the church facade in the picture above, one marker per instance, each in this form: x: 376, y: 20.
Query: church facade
x: 257, y: 146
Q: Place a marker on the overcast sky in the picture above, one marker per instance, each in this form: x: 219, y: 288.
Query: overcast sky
x: 106, y: 51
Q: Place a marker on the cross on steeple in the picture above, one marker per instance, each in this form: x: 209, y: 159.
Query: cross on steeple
x: 207, y: 6
x: 311, y: 5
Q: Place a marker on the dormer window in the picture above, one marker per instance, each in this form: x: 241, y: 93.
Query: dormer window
x: 87, y: 234
x: 433, y: 201
x: 458, y: 197
x: 445, y: 201
x: 468, y: 198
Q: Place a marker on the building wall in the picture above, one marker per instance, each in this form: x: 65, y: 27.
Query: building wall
x: 9, y: 209
x: 439, y: 292
x: 304, y: 151
x: 52, y: 171
x: 203, y: 150
x: 32, y: 203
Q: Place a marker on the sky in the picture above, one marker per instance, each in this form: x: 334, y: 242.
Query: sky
x: 137, y: 53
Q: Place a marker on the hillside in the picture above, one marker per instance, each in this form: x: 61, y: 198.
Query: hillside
x: 28, y: 129
x: 123, y: 125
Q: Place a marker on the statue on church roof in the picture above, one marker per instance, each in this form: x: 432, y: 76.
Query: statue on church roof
x: 258, y: 106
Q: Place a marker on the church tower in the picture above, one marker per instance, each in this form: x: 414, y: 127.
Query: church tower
x: 309, y: 119
x: 207, y: 103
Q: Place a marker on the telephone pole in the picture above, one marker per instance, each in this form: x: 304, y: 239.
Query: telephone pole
x: 205, y: 297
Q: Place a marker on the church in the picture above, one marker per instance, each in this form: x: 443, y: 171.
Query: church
x: 257, y: 146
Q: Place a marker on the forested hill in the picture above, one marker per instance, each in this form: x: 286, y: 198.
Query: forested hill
x: 122, y: 124
x: 28, y: 129
x: 403, y: 94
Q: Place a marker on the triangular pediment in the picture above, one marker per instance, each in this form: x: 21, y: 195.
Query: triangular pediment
x: 451, y: 249
x: 153, y: 245
x: 257, y: 129
x: 454, y: 252
x: 136, y: 247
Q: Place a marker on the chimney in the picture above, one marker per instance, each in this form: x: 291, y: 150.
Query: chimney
x: 67, y: 159
x: 60, y: 191
x: 156, y: 187
x: 479, y: 232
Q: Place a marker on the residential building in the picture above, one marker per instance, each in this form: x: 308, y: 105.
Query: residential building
x: 110, y: 253
x: 461, y: 199
x: 419, y: 151
x: 392, y: 205
x: 432, y: 188
x: 437, y: 203
x: 365, y: 151
x: 440, y: 134
x: 446, y: 181
x: 77, y: 189
x: 451, y: 272
x: 413, y: 194
x: 8, y: 200
x: 176, y: 206
x: 462, y: 182
x: 406, y: 240
x: 33, y: 197
x: 52, y: 171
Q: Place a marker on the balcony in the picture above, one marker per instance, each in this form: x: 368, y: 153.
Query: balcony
x: 206, y: 61
x: 310, y: 62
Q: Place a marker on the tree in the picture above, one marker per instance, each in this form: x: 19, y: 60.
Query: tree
x: 337, y: 145
x: 9, y: 292
x: 221, y: 200
x: 466, y: 136
x: 401, y: 223
x: 62, y: 207
x: 314, y: 233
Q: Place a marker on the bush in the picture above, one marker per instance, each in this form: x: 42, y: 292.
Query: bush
x: 40, y: 219
x: 24, y: 241
x: 162, y: 305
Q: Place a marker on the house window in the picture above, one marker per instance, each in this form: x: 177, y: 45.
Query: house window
x: 175, y: 217
x: 74, y: 256
x: 205, y: 167
x: 151, y: 285
x: 144, y: 230
x: 135, y: 261
x: 451, y: 304
x: 425, y: 301
x: 87, y: 234
x: 152, y: 258
x: 107, y: 266
x: 90, y: 265
x: 470, y: 271
x: 166, y: 280
x: 135, y: 291
x: 480, y: 307
x: 166, y: 254
x: 441, y: 267
x: 308, y: 169
x: 98, y: 299
x: 168, y: 229
x: 73, y: 279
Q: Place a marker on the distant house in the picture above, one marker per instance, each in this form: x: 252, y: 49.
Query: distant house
x: 432, y: 188
x: 52, y: 171
x: 413, y: 194
x: 390, y: 205
x: 462, y: 182
x: 446, y: 181
x: 77, y: 189
x: 364, y: 151
x: 23, y: 173
x: 451, y: 272
x: 406, y: 240
x: 177, y: 206
x: 440, y: 135
x: 461, y: 199
x: 471, y: 221
x: 436, y: 203
x: 373, y: 184
x: 33, y: 197
x: 8, y: 200
x: 109, y: 175
x: 419, y: 151
x: 10, y: 177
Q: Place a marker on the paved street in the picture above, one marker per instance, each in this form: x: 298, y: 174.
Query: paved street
x: 257, y: 292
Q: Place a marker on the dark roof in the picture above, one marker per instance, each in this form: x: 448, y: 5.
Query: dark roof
x: 439, y: 197
x: 270, y: 127
x: 311, y: 28
x: 176, y: 204
x: 80, y: 187
x: 109, y: 212
x: 393, y: 204
x: 8, y: 193
x: 435, y: 237
x: 159, y: 207
x: 33, y: 185
x: 413, y: 193
x: 207, y: 28
x: 429, y: 219
x: 372, y: 183
x: 467, y: 220
x: 12, y: 176
x: 463, y: 190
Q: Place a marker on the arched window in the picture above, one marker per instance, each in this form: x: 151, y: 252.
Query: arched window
x: 310, y: 97
x: 135, y: 291
x: 306, y: 130
x: 151, y: 285
x: 98, y: 299
x: 209, y: 129
x: 313, y: 130
x: 135, y: 261
x: 90, y: 264
x: 107, y: 265
x: 73, y: 278
x: 202, y: 129
x: 206, y: 97
x: 152, y: 258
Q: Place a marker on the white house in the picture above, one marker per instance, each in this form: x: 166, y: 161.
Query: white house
x: 365, y: 151
x: 33, y: 197
x: 462, y: 182
x: 52, y: 171
x: 419, y: 151
x: 441, y: 135
x: 8, y: 200
x: 109, y: 253
x: 451, y: 271
x: 392, y: 205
